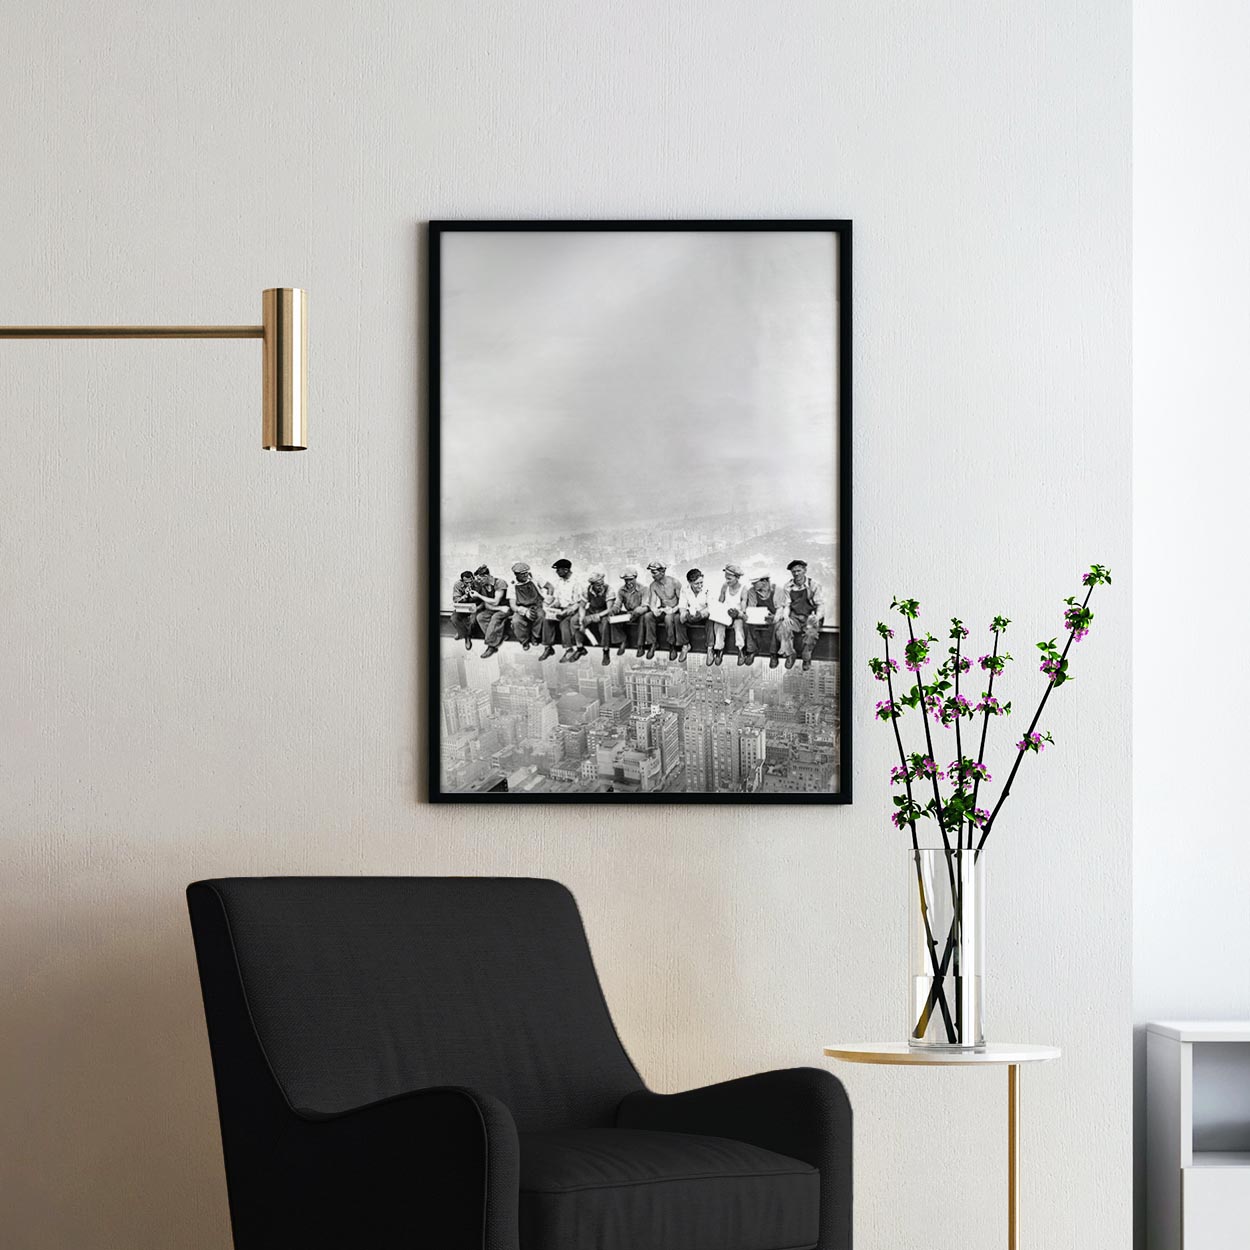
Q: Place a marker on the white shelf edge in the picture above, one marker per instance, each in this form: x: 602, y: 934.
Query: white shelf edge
x: 1202, y: 1030
x: 1221, y: 1159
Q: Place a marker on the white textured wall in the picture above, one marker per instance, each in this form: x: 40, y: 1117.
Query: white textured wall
x: 211, y: 657
x: 1191, y: 330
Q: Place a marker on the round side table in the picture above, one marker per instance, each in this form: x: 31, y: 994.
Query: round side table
x: 1002, y: 1054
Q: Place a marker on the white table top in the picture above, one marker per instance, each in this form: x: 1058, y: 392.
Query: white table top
x: 901, y: 1053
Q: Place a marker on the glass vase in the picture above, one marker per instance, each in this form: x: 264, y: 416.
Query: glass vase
x: 946, y: 949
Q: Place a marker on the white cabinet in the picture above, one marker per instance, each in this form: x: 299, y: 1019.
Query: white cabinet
x: 1198, y: 1136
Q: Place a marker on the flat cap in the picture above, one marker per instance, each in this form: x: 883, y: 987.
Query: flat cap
x: 520, y: 567
x: 796, y: 564
x: 734, y: 569
x: 598, y: 576
x: 629, y: 571
x: 482, y: 568
x: 562, y: 563
x: 657, y: 564
x: 760, y: 577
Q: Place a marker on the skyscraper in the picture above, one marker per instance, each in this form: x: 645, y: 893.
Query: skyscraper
x: 463, y: 709
x: 648, y: 684
x: 452, y: 671
x: 657, y: 730
x: 481, y: 674
x: 697, y: 748
x: 739, y: 745
x: 532, y: 702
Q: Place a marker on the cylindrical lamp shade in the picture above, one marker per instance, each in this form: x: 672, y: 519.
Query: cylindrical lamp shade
x: 286, y: 369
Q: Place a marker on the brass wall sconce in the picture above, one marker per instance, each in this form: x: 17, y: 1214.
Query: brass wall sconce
x: 284, y: 331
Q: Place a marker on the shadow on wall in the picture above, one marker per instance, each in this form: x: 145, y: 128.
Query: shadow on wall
x: 108, y: 1093
x: 1139, y: 1137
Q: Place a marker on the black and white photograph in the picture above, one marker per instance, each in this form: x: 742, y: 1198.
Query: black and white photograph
x: 639, y: 557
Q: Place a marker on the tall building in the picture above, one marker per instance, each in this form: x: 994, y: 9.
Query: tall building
x: 642, y: 728
x: 560, y: 678
x: 726, y: 762
x: 658, y: 730
x: 811, y: 770
x: 542, y: 721
x: 818, y: 684
x: 461, y: 766
x: 670, y: 743
x: 739, y: 748
x: 464, y: 709
x: 451, y: 671
x: 617, y: 710
x: 479, y: 673
x: 593, y: 686
x: 615, y: 679
x: 752, y: 752
x: 455, y: 748
x: 531, y: 702
x: 697, y: 749
x: 641, y: 768
x: 515, y: 696
x: 649, y: 683
x: 573, y: 738
x: 709, y: 685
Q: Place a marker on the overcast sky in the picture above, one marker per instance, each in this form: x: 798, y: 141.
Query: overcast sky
x: 592, y: 380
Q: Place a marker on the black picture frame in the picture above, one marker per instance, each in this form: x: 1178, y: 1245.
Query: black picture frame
x: 841, y: 230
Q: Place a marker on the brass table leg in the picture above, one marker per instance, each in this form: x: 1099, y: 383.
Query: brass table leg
x: 1013, y: 1156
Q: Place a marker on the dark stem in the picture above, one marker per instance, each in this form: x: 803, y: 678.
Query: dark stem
x: 930, y: 941
x: 959, y: 749
x: 957, y: 927
x: 928, y: 740
x: 985, y: 728
x: 1015, y: 768
x: 937, y: 794
x: 939, y: 980
x: 958, y: 899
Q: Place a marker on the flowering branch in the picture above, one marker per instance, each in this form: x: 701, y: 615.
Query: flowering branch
x: 1077, y: 619
x: 989, y: 706
x: 959, y: 633
x: 917, y: 653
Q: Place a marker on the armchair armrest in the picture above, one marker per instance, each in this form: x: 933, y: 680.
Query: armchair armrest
x: 800, y: 1112
x: 437, y: 1166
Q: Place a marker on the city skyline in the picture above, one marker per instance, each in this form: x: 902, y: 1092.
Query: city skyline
x: 636, y: 726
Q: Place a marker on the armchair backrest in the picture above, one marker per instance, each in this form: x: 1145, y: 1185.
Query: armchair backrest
x: 354, y: 989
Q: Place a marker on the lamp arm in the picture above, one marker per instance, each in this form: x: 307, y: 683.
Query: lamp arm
x: 284, y: 380
x: 132, y: 332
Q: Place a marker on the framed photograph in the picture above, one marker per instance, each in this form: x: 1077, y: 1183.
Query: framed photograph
x: 640, y: 511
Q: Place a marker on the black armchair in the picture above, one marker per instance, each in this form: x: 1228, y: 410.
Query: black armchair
x: 429, y: 1062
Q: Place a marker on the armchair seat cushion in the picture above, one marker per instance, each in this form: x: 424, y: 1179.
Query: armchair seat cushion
x: 632, y: 1189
